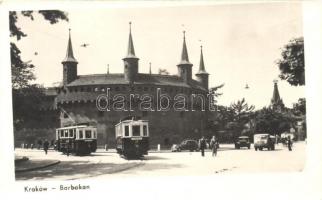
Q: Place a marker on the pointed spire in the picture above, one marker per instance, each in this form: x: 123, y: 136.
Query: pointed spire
x: 276, y: 101
x: 130, y: 49
x: 276, y: 96
x: 108, y: 69
x: 69, y: 54
x: 150, y: 71
x: 184, y: 54
x: 202, y: 64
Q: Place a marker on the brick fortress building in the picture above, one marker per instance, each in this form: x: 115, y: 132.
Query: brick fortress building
x: 76, y: 102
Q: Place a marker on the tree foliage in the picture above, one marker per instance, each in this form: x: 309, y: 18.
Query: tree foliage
x: 291, y: 63
x: 233, y: 119
x: 241, y: 114
x: 26, y: 96
x: 26, y: 103
x: 214, y: 94
x: 299, y: 108
x: 270, y: 121
x: 22, y: 72
x: 241, y: 110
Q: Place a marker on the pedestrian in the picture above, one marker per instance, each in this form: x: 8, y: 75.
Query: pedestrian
x: 68, y: 147
x: 39, y: 142
x: 46, y: 145
x: 214, y: 145
x: 289, y: 143
x: 202, y: 145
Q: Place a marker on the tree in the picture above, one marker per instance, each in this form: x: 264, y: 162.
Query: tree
x: 26, y: 96
x: 22, y: 72
x: 270, y: 121
x: 26, y: 102
x: 214, y: 94
x: 241, y: 110
x: 240, y: 114
x: 292, y: 63
x: 299, y: 108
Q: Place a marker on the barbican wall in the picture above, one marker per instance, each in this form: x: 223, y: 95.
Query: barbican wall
x: 166, y: 127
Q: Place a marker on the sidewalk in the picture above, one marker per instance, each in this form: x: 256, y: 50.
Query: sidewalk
x: 23, y: 164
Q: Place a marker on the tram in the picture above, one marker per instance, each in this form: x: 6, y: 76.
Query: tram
x: 132, y: 138
x: 78, y: 140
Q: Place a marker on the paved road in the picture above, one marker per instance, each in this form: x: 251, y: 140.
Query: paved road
x: 104, y: 164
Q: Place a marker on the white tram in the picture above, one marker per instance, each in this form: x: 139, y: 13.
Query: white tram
x: 132, y: 138
x: 79, y: 140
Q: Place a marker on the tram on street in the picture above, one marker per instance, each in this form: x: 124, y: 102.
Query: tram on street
x: 78, y: 140
x: 132, y: 138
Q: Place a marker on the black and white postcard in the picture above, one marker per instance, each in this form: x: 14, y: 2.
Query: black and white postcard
x: 204, y: 95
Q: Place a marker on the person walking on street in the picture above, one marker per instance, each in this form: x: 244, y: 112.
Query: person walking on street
x: 202, y: 145
x: 46, y: 146
x: 68, y: 147
x: 214, y: 145
x: 289, y: 143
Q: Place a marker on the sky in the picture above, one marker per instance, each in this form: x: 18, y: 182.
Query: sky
x: 241, y: 43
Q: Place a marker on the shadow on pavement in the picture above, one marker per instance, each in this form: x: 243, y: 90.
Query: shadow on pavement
x: 153, y: 167
x: 154, y: 158
x: 70, y: 170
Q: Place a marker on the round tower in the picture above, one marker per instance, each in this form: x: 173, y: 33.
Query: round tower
x: 131, y: 62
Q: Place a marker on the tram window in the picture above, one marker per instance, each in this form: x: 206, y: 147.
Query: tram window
x: 88, y: 134
x: 126, y: 130
x: 94, y: 134
x: 81, y: 134
x: 145, y: 130
x: 71, y: 133
x: 61, y: 133
x: 66, y: 133
x: 136, y: 130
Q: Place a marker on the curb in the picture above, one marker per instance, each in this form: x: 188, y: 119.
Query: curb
x: 36, y: 168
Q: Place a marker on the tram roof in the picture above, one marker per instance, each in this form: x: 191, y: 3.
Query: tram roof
x: 71, y: 127
x: 130, y: 120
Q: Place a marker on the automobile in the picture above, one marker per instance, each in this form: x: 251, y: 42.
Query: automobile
x: 264, y: 140
x: 242, y: 141
x: 191, y: 145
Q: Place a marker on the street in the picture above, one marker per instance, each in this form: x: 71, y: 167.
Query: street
x: 104, y: 164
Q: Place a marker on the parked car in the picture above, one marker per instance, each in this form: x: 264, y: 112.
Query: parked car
x: 191, y: 145
x: 242, y: 141
x: 264, y: 140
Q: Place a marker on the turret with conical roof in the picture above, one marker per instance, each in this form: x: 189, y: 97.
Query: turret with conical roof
x: 131, y: 62
x: 69, y: 64
x: 276, y: 101
x: 184, y: 66
x: 202, y: 75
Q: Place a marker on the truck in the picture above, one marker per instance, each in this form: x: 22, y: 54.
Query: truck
x: 264, y: 140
